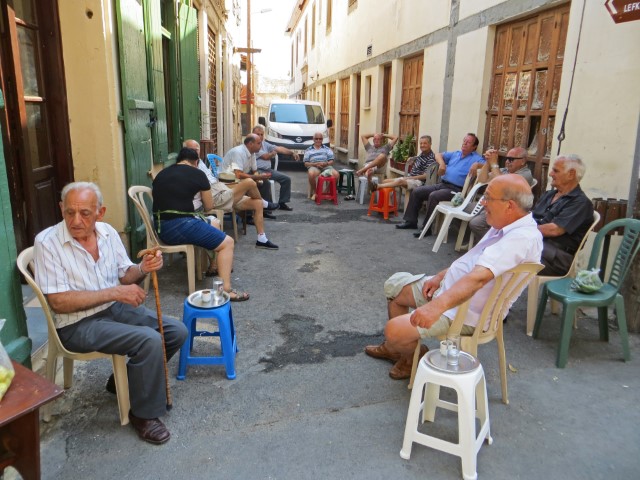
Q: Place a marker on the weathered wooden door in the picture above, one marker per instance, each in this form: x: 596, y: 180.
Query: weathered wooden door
x: 527, y: 67
x: 411, y: 96
x: 344, y: 112
x: 332, y: 111
x: 35, y: 122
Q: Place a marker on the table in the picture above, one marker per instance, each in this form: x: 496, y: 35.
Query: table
x: 19, y: 421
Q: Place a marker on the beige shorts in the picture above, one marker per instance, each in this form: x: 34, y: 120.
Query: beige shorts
x: 222, y: 196
x: 411, y: 184
x: 396, y: 282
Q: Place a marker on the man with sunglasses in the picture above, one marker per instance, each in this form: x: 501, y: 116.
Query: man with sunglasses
x: 515, y: 162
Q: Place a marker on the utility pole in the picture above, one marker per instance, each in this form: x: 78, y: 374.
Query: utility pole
x: 249, y: 123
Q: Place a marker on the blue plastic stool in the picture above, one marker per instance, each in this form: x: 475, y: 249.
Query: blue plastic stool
x: 226, y: 332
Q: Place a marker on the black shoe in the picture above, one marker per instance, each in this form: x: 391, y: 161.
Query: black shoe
x: 271, y: 206
x: 285, y: 207
x: 426, y: 234
x: 407, y: 226
x: 268, y: 245
x: 268, y: 214
x: 111, y: 385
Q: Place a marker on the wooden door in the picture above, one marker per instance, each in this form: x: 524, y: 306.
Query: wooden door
x: 386, y: 99
x: 332, y: 111
x: 525, y: 83
x: 411, y: 96
x: 344, y: 112
x: 35, y: 122
x: 213, y: 92
x: 356, y: 130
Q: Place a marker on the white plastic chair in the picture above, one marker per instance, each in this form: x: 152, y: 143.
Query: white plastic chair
x: 450, y: 212
x: 538, y: 281
x: 506, y: 290
x: 56, y: 349
x: 137, y: 193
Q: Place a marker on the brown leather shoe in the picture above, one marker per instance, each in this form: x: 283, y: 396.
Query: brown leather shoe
x: 152, y: 430
x: 402, y: 368
x: 380, y: 351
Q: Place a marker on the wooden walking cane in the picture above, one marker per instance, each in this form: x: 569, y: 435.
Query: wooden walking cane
x: 154, y: 279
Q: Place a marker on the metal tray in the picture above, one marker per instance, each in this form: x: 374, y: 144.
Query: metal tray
x: 466, y: 362
x: 195, y: 299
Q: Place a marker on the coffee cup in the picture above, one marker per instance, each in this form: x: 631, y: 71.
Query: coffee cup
x: 206, y: 296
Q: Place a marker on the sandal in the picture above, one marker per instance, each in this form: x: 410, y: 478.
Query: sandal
x: 236, y: 296
x: 349, y: 197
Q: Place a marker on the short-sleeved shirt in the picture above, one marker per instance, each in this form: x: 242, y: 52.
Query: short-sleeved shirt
x: 573, y: 212
x: 315, y: 155
x: 523, y: 172
x: 63, y: 265
x: 266, y: 148
x: 175, y: 189
x: 242, y: 158
x: 458, y: 166
x: 499, y: 251
x: 373, y: 152
x: 422, y: 163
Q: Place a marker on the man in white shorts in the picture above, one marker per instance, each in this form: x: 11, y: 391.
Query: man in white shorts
x: 513, y: 239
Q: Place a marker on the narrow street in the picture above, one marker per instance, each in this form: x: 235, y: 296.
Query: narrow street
x: 307, y: 402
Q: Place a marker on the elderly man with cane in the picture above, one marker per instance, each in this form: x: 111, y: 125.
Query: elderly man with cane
x: 92, y: 287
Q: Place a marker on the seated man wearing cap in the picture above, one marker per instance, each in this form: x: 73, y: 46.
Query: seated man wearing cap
x: 513, y: 239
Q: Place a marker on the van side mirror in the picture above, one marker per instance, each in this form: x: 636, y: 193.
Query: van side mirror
x: 262, y: 121
x: 329, y: 123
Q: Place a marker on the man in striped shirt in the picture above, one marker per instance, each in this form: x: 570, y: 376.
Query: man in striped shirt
x: 318, y: 159
x: 92, y: 287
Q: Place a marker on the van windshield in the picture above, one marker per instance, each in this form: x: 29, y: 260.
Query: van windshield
x: 296, y: 113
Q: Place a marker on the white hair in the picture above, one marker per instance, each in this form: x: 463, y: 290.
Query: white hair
x: 82, y: 186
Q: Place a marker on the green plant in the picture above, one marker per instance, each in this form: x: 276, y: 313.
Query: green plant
x: 404, y: 149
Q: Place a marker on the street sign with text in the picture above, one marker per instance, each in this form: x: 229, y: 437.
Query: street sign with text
x: 623, y: 10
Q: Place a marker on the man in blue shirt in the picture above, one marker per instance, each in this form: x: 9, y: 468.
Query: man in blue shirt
x: 454, y: 167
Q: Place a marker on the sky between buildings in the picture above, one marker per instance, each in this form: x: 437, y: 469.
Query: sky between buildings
x: 268, y: 33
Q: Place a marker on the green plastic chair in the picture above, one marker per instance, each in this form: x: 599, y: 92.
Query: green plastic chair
x: 561, y: 291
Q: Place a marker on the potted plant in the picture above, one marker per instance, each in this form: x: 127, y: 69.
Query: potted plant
x: 404, y: 149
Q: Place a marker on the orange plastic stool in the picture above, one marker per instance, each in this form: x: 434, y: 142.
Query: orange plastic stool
x: 332, y: 193
x: 386, y: 202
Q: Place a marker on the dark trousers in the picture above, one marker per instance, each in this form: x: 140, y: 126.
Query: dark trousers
x: 556, y: 261
x: 283, y: 180
x: 432, y: 194
x: 124, y: 330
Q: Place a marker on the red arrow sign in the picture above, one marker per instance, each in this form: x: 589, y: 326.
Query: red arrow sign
x: 623, y: 10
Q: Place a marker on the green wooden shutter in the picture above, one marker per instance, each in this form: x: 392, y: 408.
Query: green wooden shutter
x: 153, y: 34
x: 14, y: 334
x: 137, y: 109
x: 189, y: 73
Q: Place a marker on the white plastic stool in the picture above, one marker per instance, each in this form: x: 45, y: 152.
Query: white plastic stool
x: 362, y: 187
x: 471, y: 389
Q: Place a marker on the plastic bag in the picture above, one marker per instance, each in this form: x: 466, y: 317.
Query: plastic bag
x: 6, y: 367
x: 457, y: 199
x: 587, y: 281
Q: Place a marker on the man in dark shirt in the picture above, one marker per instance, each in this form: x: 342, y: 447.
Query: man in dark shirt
x: 564, y: 215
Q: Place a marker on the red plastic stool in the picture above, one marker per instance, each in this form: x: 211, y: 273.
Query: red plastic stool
x: 386, y: 202
x: 332, y: 194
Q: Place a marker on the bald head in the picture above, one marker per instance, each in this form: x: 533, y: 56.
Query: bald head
x: 507, y: 199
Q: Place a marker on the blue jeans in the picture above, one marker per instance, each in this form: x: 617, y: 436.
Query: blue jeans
x: 195, y: 231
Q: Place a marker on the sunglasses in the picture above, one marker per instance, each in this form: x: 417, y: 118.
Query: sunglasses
x: 318, y: 139
x: 511, y: 159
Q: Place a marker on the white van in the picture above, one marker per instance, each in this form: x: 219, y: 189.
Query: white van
x: 292, y: 123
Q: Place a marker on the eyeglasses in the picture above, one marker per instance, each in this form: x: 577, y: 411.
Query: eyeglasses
x: 319, y: 138
x: 487, y: 199
x: 511, y: 159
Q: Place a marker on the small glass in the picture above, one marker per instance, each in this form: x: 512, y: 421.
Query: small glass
x: 206, y: 296
x: 218, y: 289
x: 453, y: 349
